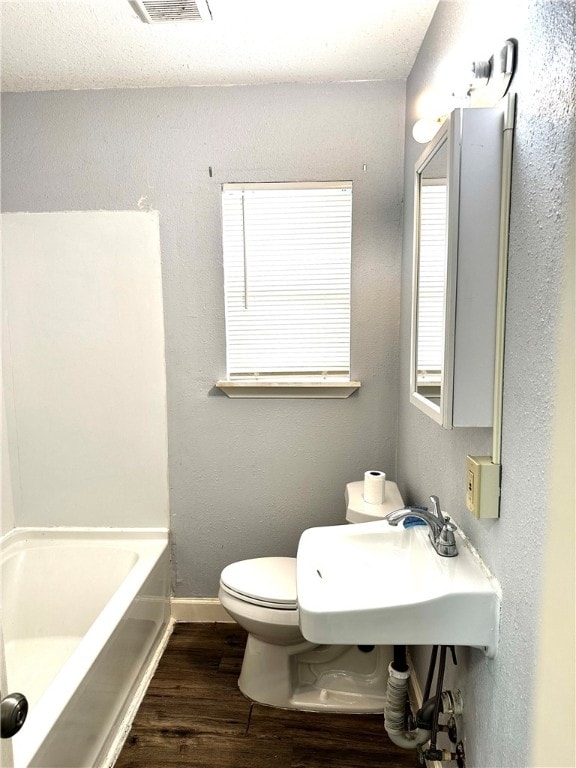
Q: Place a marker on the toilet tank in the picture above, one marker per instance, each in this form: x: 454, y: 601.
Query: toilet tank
x: 360, y: 511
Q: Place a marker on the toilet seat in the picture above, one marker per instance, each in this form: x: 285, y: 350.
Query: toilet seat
x: 269, y: 582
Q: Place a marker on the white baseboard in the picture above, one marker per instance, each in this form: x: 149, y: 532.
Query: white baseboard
x: 198, y: 609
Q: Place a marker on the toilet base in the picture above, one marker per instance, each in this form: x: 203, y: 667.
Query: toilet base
x: 308, y: 677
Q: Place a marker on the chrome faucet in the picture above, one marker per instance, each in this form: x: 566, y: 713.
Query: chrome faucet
x: 441, y: 529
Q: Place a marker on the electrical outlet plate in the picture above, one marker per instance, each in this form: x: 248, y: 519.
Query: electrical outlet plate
x: 483, y: 487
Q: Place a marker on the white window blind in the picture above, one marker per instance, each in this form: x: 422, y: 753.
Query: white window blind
x: 431, y: 278
x: 287, y: 259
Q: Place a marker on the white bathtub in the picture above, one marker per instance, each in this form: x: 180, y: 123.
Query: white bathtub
x: 83, y: 613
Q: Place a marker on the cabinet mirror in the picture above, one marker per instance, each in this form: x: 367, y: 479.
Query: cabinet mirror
x: 431, y: 265
x: 455, y: 269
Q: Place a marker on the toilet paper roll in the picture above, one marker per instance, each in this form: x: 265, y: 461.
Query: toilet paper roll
x: 374, y: 487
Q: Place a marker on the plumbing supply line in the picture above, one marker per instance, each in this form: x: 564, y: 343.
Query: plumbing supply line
x: 431, y: 670
x: 438, y: 704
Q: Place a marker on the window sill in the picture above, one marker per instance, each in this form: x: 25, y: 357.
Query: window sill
x: 289, y: 389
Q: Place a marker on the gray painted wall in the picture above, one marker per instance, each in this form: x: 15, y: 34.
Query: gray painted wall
x: 498, y: 694
x: 246, y: 476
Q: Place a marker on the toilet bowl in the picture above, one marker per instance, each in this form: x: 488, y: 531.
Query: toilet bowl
x: 282, y: 669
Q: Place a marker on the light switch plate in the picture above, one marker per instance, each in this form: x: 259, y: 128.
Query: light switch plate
x: 483, y: 487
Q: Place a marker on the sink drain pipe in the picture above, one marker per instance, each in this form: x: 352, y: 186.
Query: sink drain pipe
x: 397, y: 704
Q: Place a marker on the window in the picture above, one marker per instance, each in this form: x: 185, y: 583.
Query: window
x: 287, y: 263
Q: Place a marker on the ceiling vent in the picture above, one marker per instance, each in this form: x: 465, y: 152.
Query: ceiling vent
x: 171, y: 11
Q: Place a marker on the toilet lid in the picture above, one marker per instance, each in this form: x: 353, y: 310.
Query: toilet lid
x: 265, y: 580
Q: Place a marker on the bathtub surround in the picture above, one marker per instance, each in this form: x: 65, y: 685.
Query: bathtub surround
x: 247, y: 476
x: 7, y: 508
x: 84, y: 358
x: 85, y: 609
x: 499, y: 694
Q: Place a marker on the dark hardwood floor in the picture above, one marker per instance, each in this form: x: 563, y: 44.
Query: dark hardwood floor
x: 194, y: 715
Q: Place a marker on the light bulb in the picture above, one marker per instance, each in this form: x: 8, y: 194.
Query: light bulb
x: 425, y: 129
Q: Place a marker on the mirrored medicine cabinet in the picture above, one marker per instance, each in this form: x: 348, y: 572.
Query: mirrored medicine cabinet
x: 458, y: 181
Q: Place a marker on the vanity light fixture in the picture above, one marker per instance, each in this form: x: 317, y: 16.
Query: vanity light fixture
x: 426, y: 128
x: 483, y: 85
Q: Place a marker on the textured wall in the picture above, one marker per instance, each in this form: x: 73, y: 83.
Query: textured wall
x: 247, y: 476
x: 557, y: 628
x: 498, y: 694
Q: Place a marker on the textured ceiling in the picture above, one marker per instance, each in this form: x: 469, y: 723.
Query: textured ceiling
x: 83, y: 44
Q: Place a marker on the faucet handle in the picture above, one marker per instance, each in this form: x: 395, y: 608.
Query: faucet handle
x: 436, y: 508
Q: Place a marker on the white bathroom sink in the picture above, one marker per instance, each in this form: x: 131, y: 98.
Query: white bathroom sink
x: 375, y: 584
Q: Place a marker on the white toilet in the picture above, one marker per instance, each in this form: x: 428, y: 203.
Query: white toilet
x: 280, y: 667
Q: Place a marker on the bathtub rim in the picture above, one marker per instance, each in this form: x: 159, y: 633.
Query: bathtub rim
x: 18, y: 533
